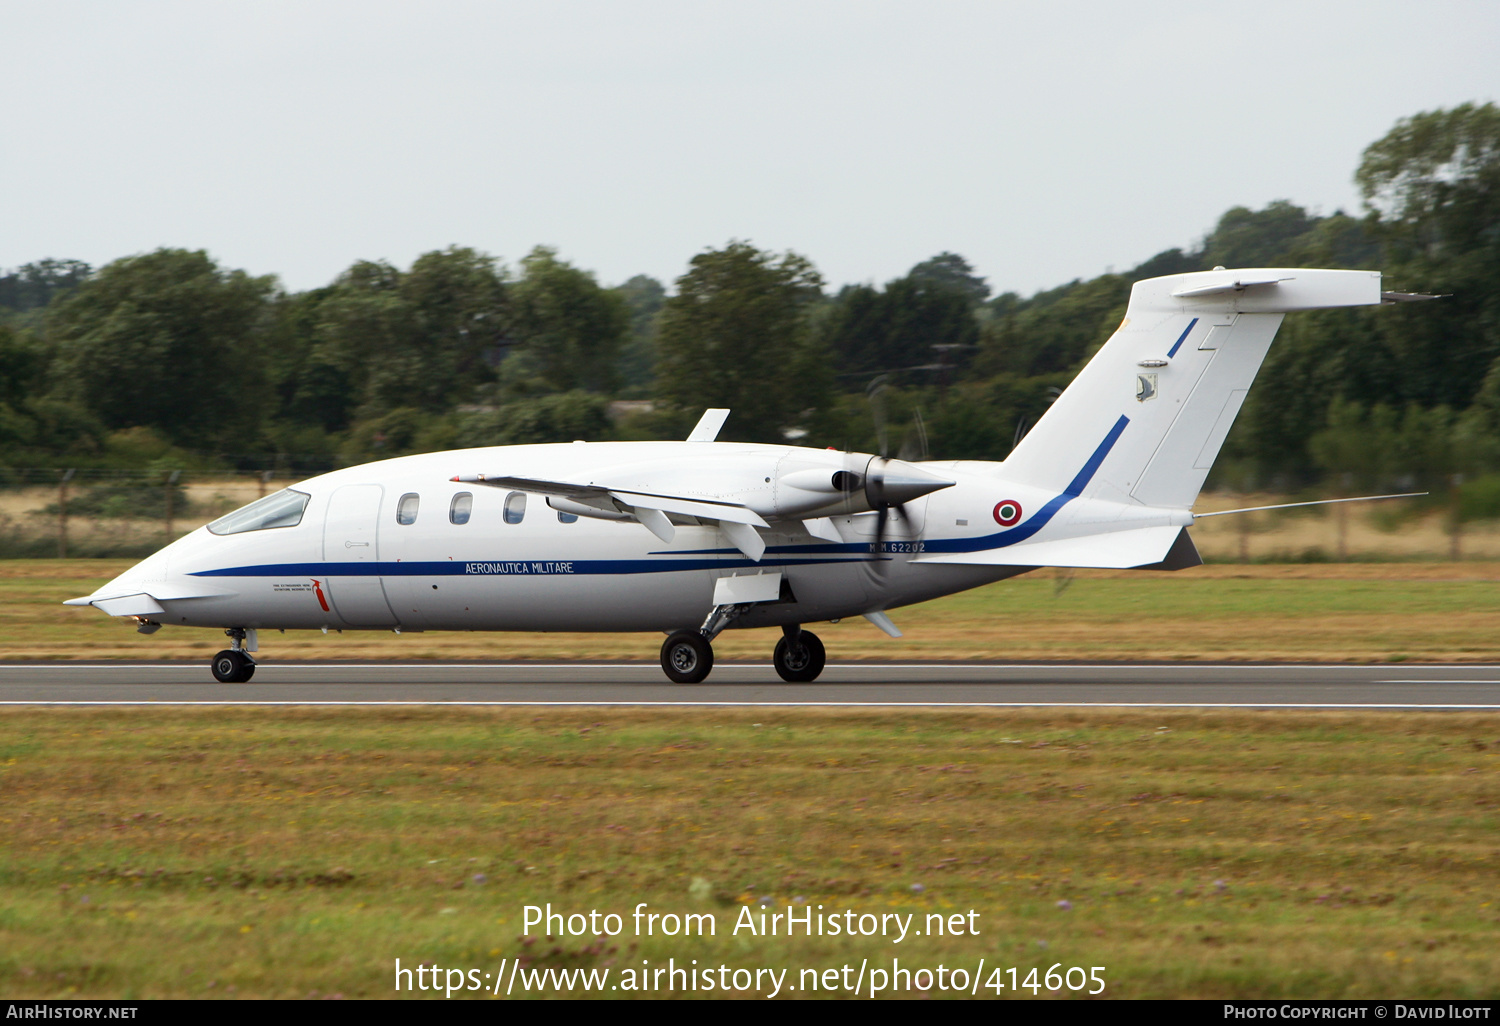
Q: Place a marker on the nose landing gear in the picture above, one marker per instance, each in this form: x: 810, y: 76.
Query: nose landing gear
x: 233, y: 665
x: 686, y: 657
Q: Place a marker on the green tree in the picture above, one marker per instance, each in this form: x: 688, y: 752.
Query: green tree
x: 568, y: 328
x: 736, y: 335
x: 32, y: 286
x: 559, y: 417
x: 168, y: 340
x: 643, y: 296
x: 1256, y: 238
x: 1432, y: 186
x: 952, y: 273
x: 423, y: 339
x: 912, y: 325
x: 1054, y: 330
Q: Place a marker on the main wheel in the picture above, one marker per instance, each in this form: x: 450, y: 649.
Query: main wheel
x: 802, y: 660
x: 687, y: 657
x: 231, y: 667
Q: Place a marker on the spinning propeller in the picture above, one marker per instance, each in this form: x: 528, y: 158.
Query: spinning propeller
x: 891, y: 484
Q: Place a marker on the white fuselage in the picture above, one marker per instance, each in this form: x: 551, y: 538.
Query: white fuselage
x: 349, y: 563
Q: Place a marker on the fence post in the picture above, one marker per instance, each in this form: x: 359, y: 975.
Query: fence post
x: 1455, y: 500
x: 1343, y: 519
x: 62, y: 513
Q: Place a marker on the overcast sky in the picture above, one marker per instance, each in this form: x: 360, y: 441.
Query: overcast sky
x: 1043, y: 141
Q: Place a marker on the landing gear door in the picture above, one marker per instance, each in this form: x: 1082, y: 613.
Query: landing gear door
x: 351, y: 550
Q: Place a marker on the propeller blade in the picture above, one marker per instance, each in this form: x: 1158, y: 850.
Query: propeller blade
x: 878, y: 549
x: 875, y: 393
x: 914, y: 445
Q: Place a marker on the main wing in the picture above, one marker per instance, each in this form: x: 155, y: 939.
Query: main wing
x: 650, y: 509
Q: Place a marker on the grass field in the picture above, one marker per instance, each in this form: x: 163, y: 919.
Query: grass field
x: 250, y: 852
x: 1362, y: 612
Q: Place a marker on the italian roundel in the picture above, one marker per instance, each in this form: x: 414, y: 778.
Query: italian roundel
x: 1007, y: 512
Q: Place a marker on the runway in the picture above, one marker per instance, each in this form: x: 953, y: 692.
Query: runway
x: 1180, y: 685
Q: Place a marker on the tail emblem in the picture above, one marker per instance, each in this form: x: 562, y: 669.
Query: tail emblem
x: 1007, y: 512
x: 1145, y: 387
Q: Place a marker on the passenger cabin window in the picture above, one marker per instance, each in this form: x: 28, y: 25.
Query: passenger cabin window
x: 284, y: 509
x: 460, y: 508
x: 566, y: 518
x: 406, y: 509
x: 515, y: 507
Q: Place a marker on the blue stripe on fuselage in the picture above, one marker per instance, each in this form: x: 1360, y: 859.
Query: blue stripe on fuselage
x: 1039, y: 519
x: 499, y: 567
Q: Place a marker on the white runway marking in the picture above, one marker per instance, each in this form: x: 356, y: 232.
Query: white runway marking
x: 783, y: 705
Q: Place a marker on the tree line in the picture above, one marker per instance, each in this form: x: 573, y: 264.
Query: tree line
x: 170, y: 359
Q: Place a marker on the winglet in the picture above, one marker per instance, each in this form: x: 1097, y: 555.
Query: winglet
x: 708, y: 426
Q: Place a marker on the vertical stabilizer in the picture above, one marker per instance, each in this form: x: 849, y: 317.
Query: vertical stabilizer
x: 1176, y: 372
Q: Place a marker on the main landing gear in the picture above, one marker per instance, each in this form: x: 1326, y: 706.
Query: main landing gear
x: 687, y: 656
x: 233, y: 665
x: 799, y: 655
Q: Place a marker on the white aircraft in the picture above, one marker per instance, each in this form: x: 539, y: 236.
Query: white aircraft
x: 691, y: 537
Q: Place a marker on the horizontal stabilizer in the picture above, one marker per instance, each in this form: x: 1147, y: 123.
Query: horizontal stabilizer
x: 1238, y: 284
x: 1118, y: 550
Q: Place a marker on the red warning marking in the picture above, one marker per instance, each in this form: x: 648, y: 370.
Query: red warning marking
x: 318, y: 589
x: 1007, y: 512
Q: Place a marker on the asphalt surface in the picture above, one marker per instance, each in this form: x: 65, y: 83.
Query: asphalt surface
x: 1406, y: 686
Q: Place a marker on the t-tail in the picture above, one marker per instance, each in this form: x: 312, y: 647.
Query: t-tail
x: 1150, y: 411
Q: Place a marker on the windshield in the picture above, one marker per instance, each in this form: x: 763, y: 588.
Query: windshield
x: 284, y: 509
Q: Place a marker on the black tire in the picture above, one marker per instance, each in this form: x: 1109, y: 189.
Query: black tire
x: 231, y: 667
x: 800, y: 661
x: 686, y: 657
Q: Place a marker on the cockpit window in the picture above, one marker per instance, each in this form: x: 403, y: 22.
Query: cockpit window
x: 284, y: 509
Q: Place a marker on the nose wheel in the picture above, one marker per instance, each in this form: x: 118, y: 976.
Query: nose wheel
x: 232, y: 667
x: 799, y: 657
x: 686, y: 657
